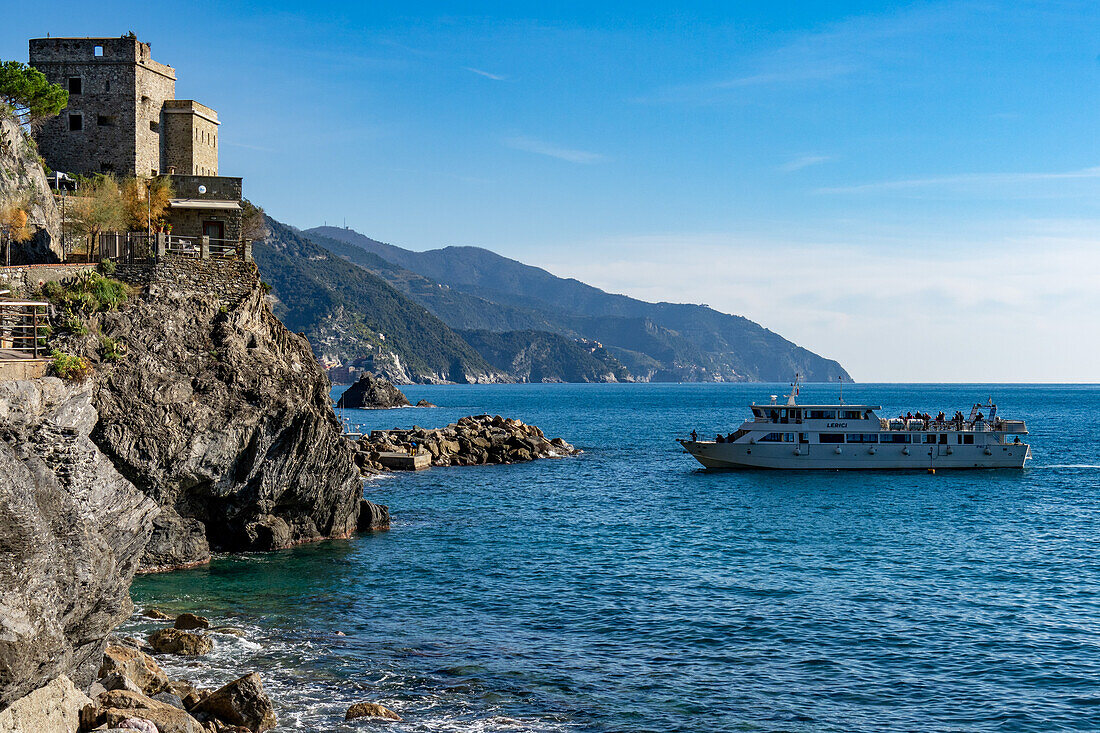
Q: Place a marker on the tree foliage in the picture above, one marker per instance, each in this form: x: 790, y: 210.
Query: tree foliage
x: 14, y: 221
x: 99, y: 208
x: 253, y: 222
x: 30, y: 97
x: 146, y: 201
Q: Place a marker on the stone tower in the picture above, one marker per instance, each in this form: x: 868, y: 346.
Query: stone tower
x: 123, y: 117
x: 116, y: 96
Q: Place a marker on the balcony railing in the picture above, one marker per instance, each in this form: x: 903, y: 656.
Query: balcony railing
x: 133, y: 248
x: 23, y: 329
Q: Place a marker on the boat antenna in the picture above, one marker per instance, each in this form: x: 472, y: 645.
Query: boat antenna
x: 794, y: 389
x: 841, y: 380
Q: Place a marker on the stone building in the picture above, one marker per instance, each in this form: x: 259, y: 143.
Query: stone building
x: 123, y: 118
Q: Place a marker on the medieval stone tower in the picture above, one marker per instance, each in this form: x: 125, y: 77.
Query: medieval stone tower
x: 123, y: 116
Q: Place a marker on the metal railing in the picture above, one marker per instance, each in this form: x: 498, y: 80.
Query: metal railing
x: 23, y: 329
x: 138, y: 247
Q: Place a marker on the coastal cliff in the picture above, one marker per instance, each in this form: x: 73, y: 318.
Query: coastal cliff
x: 72, y: 530
x: 218, y: 413
x: 23, y: 183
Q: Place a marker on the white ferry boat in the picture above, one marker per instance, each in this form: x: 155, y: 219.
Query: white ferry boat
x: 841, y: 436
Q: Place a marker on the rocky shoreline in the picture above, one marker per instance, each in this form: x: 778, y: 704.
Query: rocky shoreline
x: 472, y: 441
x: 133, y: 692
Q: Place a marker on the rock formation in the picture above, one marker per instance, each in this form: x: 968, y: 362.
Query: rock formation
x: 221, y: 415
x: 23, y: 181
x: 372, y: 393
x: 471, y: 441
x: 72, y: 531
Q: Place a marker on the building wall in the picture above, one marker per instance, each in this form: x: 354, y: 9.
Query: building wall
x: 191, y: 138
x: 189, y: 222
x: 121, y: 91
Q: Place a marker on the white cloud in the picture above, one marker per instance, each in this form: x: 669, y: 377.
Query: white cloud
x: 1005, y: 309
x: 967, y: 180
x: 486, y: 74
x: 804, y: 161
x: 531, y: 145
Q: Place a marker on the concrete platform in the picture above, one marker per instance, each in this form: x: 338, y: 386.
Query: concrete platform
x: 405, y: 462
x: 12, y: 369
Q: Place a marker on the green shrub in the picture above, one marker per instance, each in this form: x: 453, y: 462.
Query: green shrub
x: 107, y: 267
x: 111, y: 349
x: 89, y: 292
x: 70, y: 367
x: 266, y: 287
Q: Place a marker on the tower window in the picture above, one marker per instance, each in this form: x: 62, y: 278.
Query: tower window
x: 97, y: 51
x: 75, y: 85
x: 106, y: 120
x: 76, y: 121
x: 107, y: 86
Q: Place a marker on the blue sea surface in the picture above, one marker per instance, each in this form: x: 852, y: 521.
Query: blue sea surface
x: 628, y: 590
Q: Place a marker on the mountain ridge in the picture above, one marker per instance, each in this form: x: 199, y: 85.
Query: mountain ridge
x: 688, y: 342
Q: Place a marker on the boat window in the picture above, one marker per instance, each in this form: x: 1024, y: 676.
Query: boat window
x: 831, y: 438
x: 803, y: 438
x: 756, y: 412
x: 930, y: 439
x: 822, y: 414
x: 968, y: 440
x: 796, y: 414
x: 896, y: 438
x: 853, y: 415
x: 863, y: 437
x: 788, y: 437
x: 943, y: 438
x: 772, y: 438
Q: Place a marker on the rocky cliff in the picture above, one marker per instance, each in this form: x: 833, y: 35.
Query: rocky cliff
x: 22, y: 181
x: 220, y: 414
x: 72, y: 530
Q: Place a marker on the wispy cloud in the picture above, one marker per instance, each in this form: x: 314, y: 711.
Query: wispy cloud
x: 531, y: 145
x: 810, y: 72
x: 246, y: 146
x: 966, y: 180
x: 804, y: 161
x: 486, y: 74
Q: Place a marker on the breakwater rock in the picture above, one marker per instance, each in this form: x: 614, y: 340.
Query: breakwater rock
x: 218, y: 413
x: 472, y: 441
x: 72, y: 529
x: 372, y: 393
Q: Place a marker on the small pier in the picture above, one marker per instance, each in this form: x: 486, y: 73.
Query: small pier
x: 405, y: 461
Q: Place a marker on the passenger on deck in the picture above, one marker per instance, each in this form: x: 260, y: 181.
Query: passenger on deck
x: 729, y: 438
x: 719, y: 439
x: 694, y: 435
x: 909, y: 416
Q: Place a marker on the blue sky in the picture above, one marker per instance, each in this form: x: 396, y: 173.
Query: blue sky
x: 909, y: 188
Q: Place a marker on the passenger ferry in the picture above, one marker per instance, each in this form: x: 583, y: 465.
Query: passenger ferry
x: 841, y: 436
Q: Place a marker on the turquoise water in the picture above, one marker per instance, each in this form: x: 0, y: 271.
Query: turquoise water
x: 626, y: 590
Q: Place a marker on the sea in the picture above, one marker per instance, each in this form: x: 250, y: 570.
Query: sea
x: 626, y: 589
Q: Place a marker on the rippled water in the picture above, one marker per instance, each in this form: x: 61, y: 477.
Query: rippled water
x: 626, y: 590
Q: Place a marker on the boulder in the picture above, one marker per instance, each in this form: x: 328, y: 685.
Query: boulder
x: 373, y: 516
x: 116, y: 706
x: 170, y: 698
x: 425, y: 403
x: 156, y: 613
x: 134, y: 665
x: 241, y: 702
x: 370, y: 710
x: 372, y: 393
x: 53, y: 708
x: 72, y: 530
x: 188, y: 621
x: 113, y: 681
x: 183, y: 643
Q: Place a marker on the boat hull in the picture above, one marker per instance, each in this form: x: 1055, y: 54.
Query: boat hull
x: 854, y: 456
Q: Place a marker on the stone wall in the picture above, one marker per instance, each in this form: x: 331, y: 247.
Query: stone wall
x: 117, y: 95
x: 26, y: 280
x: 225, y: 281
x: 191, y: 138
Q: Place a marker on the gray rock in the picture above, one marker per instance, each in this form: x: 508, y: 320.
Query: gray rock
x: 170, y: 699
x: 187, y: 621
x: 24, y: 178
x: 116, y: 706
x: 371, y: 392
x: 223, y: 418
x: 52, y: 708
x: 241, y: 702
x: 370, y: 710
x: 373, y: 516
x: 183, y: 643
x: 117, y: 681
x: 72, y: 529
x: 134, y: 665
